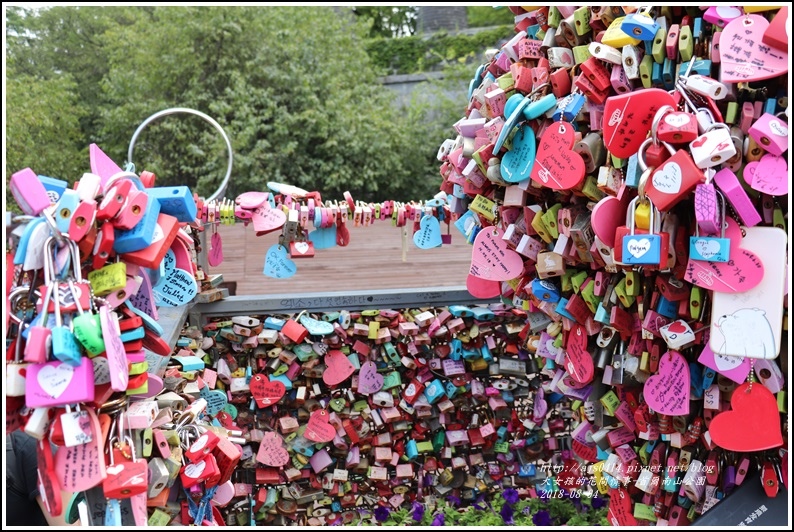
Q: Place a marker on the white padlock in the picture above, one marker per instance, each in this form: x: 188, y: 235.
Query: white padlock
x: 631, y: 58
x: 713, y: 147
x: 605, y: 53
x: 560, y: 58
x: 647, y: 482
x: 706, y: 86
x: 88, y: 186
x: 38, y: 423
x: 677, y: 334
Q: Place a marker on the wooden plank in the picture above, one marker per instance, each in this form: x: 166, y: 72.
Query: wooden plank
x: 372, y: 261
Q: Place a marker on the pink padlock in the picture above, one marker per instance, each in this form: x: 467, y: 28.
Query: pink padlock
x: 735, y: 194
x: 58, y: 383
x: 29, y: 192
x: 706, y: 211
x: 770, y: 133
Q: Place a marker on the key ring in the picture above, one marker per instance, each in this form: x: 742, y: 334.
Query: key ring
x: 185, y: 110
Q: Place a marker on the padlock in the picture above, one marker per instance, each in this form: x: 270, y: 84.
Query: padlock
x: 77, y: 427
x: 641, y: 249
x: 711, y: 248
x: 640, y: 25
x: 126, y: 475
x: 770, y: 133
x: 673, y: 180
x: 39, y: 342
x: 676, y: 127
x: 713, y: 147
x: 64, y: 344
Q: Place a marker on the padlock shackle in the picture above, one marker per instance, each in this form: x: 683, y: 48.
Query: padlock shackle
x: 221, y: 190
x: 644, y: 147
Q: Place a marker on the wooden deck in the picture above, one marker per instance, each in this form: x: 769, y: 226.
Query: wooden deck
x: 372, y: 260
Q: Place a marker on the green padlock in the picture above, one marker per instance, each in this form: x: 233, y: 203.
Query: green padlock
x: 338, y: 404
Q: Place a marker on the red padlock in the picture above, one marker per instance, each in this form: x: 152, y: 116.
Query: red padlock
x: 126, y: 475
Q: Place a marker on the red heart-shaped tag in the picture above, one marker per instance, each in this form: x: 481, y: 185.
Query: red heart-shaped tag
x: 746, y: 57
x: 491, y: 259
x: 752, y: 424
x: 578, y: 361
x: 609, y: 214
x: 318, y: 429
x: 265, y: 392
x: 743, y: 271
x: 557, y: 166
x: 620, y: 508
x: 338, y: 368
x: 668, y: 392
x: 271, y: 451
x: 482, y: 288
x: 628, y: 119
x: 677, y: 327
x: 569, y: 478
x: 585, y: 452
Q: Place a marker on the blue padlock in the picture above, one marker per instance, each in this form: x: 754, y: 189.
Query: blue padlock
x: 602, y: 315
x: 708, y: 378
x: 639, y: 25
x: 641, y: 249
x: 450, y: 390
x: 560, y: 309
x: 434, y: 391
x: 54, y: 187
x: 545, y: 290
x: 695, y: 380
x: 132, y: 335
x: 486, y: 353
x: 667, y: 308
x: 568, y: 108
x: 699, y: 66
x: 410, y: 450
x: 141, y: 236
x: 274, y: 323
x: 633, y: 171
x: 64, y: 208
x: 176, y: 201
x: 467, y: 221
x: 456, y: 349
x: 283, y: 379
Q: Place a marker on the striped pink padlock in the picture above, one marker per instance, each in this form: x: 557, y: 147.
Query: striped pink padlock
x: 706, y: 211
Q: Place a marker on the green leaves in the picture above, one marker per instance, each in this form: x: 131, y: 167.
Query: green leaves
x: 293, y: 87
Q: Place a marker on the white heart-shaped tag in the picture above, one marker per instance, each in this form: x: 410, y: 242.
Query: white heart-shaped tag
x: 667, y: 179
x: 707, y: 248
x: 727, y: 362
x: 639, y: 247
x: 55, y: 379
x: 301, y: 247
x: 676, y: 119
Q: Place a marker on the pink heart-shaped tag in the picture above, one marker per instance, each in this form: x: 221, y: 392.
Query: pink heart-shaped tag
x: 770, y: 176
x: 338, y: 368
x: 557, y: 166
x: 215, y: 255
x: 609, y: 214
x: 251, y: 200
x: 82, y: 467
x: 265, y: 392
x: 491, y: 259
x: 578, y: 361
x: 735, y: 368
x: 743, y: 54
x: 752, y: 424
x: 668, y: 392
x: 628, y: 119
x: 271, y: 451
x: 482, y: 288
x: 541, y: 407
x: 743, y: 271
x: 267, y: 220
x: 318, y: 429
x: 369, y: 380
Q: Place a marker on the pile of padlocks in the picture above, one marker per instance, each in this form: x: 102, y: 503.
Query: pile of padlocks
x: 623, y: 172
x: 90, y: 265
x: 623, y: 181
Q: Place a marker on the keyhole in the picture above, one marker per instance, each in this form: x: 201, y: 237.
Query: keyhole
x: 765, y: 141
x: 637, y: 31
x: 629, y: 61
x: 65, y: 213
x: 79, y: 221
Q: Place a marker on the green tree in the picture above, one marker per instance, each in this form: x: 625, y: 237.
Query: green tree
x: 388, y: 21
x: 293, y: 87
x: 43, y: 127
x: 480, y: 16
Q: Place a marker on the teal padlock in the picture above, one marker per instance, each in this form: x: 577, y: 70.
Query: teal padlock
x: 113, y: 513
x: 641, y: 249
x: 711, y: 248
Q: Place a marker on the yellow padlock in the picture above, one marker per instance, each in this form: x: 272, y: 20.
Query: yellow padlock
x: 642, y: 215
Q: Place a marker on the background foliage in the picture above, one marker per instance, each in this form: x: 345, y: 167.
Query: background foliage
x: 295, y: 88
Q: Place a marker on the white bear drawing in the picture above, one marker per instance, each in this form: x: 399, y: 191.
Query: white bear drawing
x: 747, y: 332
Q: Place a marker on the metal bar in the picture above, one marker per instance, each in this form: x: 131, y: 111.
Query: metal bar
x: 327, y: 301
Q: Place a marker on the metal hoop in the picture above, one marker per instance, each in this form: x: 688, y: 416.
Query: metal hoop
x: 185, y: 110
